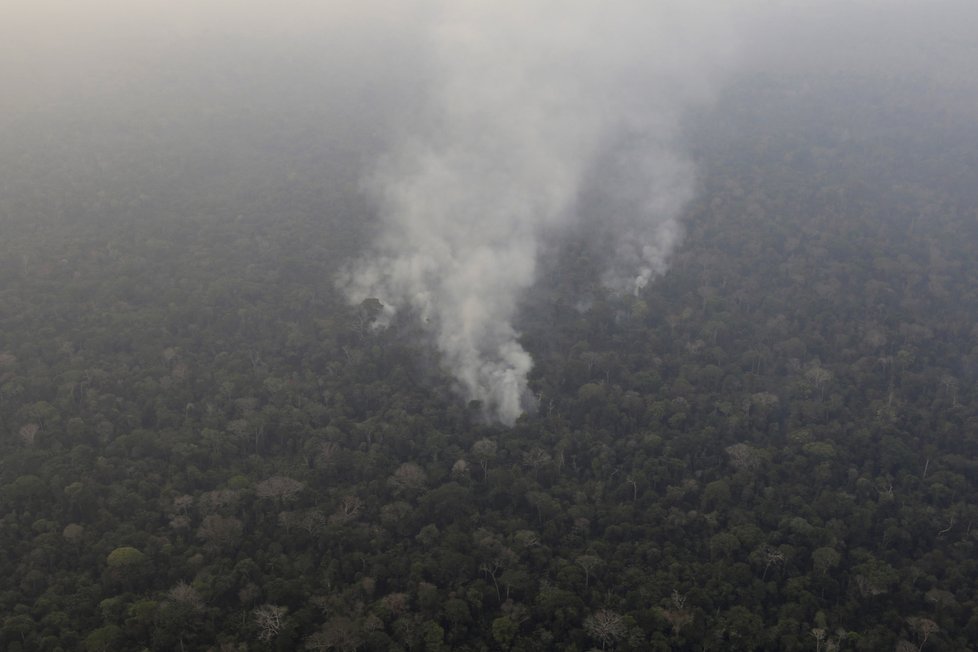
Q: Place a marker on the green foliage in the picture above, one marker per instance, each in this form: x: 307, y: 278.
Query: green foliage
x: 504, y: 631
x: 104, y: 639
x: 204, y: 446
x: 125, y: 558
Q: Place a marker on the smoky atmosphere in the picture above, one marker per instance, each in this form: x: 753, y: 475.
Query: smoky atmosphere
x: 465, y: 325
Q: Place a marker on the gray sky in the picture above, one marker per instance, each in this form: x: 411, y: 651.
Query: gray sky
x: 53, y: 49
x: 109, y: 55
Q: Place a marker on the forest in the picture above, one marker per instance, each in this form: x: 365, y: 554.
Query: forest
x: 773, y: 446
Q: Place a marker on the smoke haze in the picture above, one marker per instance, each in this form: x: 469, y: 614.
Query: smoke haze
x: 527, y: 103
x: 478, y: 129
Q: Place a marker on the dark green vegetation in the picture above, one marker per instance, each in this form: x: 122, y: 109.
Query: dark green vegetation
x: 775, y: 447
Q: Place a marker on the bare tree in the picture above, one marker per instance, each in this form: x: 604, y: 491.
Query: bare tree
x: 484, y: 451
x: 186, y: 595
x: 818, y: 633
x: 408, y: 478
x: 536, y: 459
x: 771, y: 556
x: 348, y: 510
x: 279, y: 487
x: 589, y: 563
x: 923, y: 627
x: 605, y: 625
x: 678, y: 616
x: 492, y: 568
x: 268, y: 618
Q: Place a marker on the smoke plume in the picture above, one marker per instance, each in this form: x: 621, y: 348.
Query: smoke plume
x: 489, y: 124
x: 531, y: 105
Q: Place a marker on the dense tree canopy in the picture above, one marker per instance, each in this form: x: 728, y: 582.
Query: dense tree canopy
x: 774, y: 446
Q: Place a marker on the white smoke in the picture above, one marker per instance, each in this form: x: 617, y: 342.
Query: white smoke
x: 532, y: 109
x: 530, y: 103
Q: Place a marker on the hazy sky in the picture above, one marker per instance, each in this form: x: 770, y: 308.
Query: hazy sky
x: 475, y: 127
x: 59, y: 48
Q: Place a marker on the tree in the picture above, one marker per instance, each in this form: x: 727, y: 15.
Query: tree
x: 104, y: 639
x: 824, y: 559
x: 28, y: 433
x: 536, y: 458
x: 269, y: 619
x: 606, y: 626
x: 504, y: 631
x: 818, y: 633
x: 220, y: 532
x: 279, y: 488
x: 818, y: 376
x: 126, y: 564
x: 19, y: 626
x: 484, y: 452
x: 744, y: 457
x: 185, y: 595
x: 338, y: 633
x: 347, y: 511
x: 589, y: 563
x: 923, y: 628
x: 409, y: 478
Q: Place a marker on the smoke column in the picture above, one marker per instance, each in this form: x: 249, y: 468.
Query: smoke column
x: 529, y: 105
